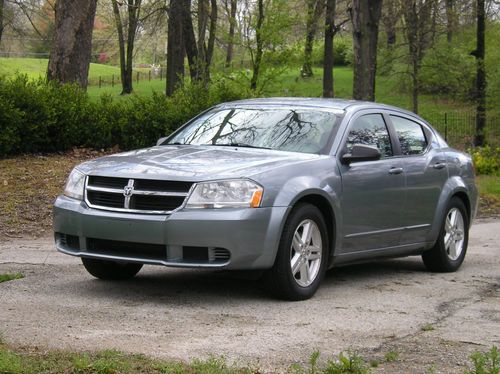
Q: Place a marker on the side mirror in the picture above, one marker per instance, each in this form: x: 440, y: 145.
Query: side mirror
x: 361, y: 152
x: 161, y: 140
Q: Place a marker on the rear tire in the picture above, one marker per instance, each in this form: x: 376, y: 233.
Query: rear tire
x: 302, y: 256
x: 111, y: 270
x: 449, y: 251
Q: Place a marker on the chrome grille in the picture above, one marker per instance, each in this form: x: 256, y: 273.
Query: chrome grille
x: 135, y: 195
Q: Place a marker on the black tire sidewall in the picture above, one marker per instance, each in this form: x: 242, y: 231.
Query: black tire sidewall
x: 445, y: 262
x: 293, y: 290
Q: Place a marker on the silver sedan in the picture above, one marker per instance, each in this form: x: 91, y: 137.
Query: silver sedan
x: 290, y: 187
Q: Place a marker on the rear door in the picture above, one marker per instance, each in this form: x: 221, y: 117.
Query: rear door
x: 373, y: 192
x: 426, y: 173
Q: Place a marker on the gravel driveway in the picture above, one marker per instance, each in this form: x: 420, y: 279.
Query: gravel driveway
x: 431, y: 320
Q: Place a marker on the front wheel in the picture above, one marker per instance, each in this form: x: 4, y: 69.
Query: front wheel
x: 302, y: 256
x: 111, y: 270
x: 449, y: 251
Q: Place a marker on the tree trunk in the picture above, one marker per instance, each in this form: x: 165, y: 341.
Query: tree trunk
x: 126, y: 52
x: 190, y: 46
x: 1, y: 19
x: 134, y: 8
x: 175, y: 46
x: 202, y: 29
x: 328, y: 50
x: 230, y: 43
x: 365, y: 16
x: 314, y: 10
x: 121, y: 41
x: 72, y: 45
x: 450, y: 19
x: 390, y: 19
x: 479, y: 138
x: 259, y: 51
x: 211, y: 40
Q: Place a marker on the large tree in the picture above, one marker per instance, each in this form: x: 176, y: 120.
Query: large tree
x: 259, y: 50
x: 419, y: 30
x: 175, y: 44
x: 479, y: 53
x: 126, y: 38
x: 314, y: 10
x: 232, y: 27
x: 328, y: 49
x: 2, y: 2
x: 365, y: 15
x: 72, y: 45
x: 207, y: 20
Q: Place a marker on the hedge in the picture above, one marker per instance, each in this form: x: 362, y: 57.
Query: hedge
x: 37, y: 116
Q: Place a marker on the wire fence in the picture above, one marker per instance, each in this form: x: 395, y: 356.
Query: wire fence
x: 459, y: 127
x: 137, y: 76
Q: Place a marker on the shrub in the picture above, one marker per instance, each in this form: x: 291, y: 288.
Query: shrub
x: 41, y: 116
x: 486, y: 160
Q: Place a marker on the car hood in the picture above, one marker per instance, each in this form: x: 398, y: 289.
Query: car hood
x: 192, y: 163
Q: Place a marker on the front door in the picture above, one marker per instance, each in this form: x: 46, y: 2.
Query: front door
x: 373, y: 192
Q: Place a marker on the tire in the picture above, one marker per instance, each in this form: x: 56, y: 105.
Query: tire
x: 449, y: 251
x: 111, y: 270
x: 310, y: 259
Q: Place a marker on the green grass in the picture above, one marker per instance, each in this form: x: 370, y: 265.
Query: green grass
x: 489, y: 185
x: 391, y: 356
x: 17, y: 361
x: 427, y: 327
x: 9, y: 277
x: 37, y: 67
x: 286, y: 84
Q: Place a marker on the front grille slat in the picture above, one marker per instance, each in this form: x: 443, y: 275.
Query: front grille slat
x: 144, y: 195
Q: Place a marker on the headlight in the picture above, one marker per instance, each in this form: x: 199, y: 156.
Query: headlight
x: 75, y: 185
x: 237, y: 193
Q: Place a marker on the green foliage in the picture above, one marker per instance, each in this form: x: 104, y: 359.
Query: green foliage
x: 40, y: 116
x: 391, y: 356
x: 9, y: 277
x: 486, y: 160
x: 10, y: 362
x: 448, y: 70
x: 350, y: 363
x: 344, y: 363
x: 485, y: 363
x: 427, y: 327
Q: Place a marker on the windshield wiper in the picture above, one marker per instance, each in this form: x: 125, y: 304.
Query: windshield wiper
x: 241, y: 145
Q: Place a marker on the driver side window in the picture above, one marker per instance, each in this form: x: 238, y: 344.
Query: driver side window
x: 370, y: 129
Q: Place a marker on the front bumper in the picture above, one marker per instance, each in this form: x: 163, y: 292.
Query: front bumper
x: 223, y: 238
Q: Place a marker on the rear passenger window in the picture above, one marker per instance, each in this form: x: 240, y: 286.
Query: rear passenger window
x: 411, y: 136
x: 370, y: 129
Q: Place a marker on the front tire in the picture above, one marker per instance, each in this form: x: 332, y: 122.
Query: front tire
x: 449, y: 251
x: 111, y: 270
x: 302, y: 256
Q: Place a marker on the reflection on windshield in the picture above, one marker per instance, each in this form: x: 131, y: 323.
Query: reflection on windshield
x: 299, y: 130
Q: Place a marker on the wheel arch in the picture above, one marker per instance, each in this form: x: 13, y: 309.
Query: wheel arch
x: 454, y: 187
x: 324, y: 205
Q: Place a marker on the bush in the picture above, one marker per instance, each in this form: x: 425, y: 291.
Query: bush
x: 40, y: 116
x: 486, y: 160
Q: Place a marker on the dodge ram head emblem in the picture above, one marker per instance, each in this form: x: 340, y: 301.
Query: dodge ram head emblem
x: 128, y: 190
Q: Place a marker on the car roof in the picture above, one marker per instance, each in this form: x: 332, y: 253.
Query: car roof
x: 338, y: 104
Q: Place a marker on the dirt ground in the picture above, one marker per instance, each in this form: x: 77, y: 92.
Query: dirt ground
x: 433, y: 321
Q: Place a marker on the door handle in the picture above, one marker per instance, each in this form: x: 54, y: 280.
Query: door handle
x: 395, y: 170
x: 439, y: 165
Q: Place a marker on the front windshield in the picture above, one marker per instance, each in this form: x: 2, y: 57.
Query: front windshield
x: 295, y: 130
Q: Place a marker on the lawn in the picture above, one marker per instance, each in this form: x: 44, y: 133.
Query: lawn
x: 37, y: 67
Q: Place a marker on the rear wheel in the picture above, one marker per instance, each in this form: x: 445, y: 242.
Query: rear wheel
x: 449, y: 251
x: 302, y: 256
x: 111, y: 270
